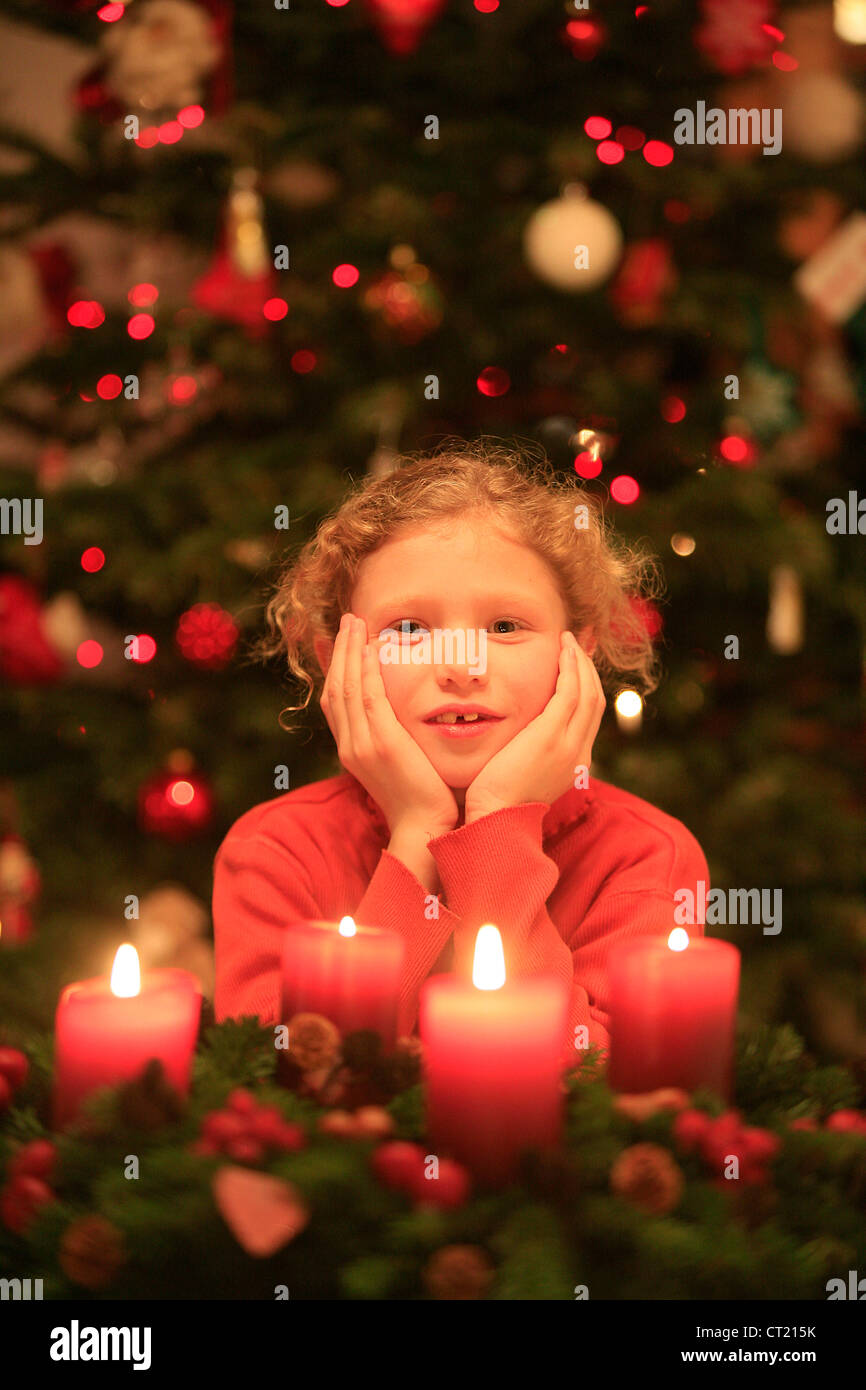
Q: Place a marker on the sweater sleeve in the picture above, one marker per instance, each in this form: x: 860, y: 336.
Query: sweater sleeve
x: 259, y: 887
x: 638, y: 900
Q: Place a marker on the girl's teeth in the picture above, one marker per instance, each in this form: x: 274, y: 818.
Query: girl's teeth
x: 452, y: 718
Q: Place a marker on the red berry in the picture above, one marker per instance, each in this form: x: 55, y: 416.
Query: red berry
x: 761, y: 1144
x: 291, y: 1137
x: 689, y: 1129
x: 36, y: 1158
x: 242, y: 1102
x: 5, y: 1094
x: 223, y: 1125
x: 450, y: 1189
x: 398, y: 1164
x: 14, y: 1066
x: 21, y: 1199
x: 245, y: 1149
x: 266, y: 1124
x: 205, y: 1148
x: 842, y: 1120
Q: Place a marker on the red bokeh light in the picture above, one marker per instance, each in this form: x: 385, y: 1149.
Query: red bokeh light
x: 143, y: 294
x: 737, y: 450
x: 785, y: 62
x: 110, y: 13
x: 597, y: 127
x: 89, y: 654
x: 107, y: 387
x: 493, y: 381
x: 183, y: 389
x: 275, y: 309
x: 170, y: 132
x: 658, y: 153
x: 85, y: 313
x: 141, y: 326
x: 191, y: 116
x: 181, y: 793
x: 303, y: 361
x: 143, y: 649
x: 586, y: 465
x: 345, y: 276
x: 624, y: 489
x: 673, y: 410
x: 486, y: 6
x: 630, y: 137
x: 147, y: 138
x: 92, y: 559
x: 610, y: 152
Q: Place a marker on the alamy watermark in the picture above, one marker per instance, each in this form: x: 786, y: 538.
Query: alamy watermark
x: 723, y: 908
x: 22, y: 516
x: 739, y: 126
x: 451, y: 646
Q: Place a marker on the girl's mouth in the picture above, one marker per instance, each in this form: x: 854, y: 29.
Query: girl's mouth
x: 461, y: 727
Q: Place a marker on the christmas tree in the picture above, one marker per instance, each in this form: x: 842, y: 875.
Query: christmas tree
x: 270, y: 250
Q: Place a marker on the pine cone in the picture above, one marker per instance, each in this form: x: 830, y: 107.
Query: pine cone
x: 150, y: 1101
x: 458, y: 1272
x: 647, y: 1177
x: 314, y: 1041
x: 91, y: 1252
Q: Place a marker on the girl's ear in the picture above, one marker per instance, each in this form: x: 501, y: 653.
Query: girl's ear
x: 324, y: 649
x: 586, y: 638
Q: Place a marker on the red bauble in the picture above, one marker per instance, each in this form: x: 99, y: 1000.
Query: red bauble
x: 176, y: 805
x: 14, y: 1066
x: 449, y: 1190
x: 402, y: 23
x: 645, y: 276
x: 227, y: 294
x: 21, y: 1199
x: 398, y: 1164
x: 207, y: 636
x: 26, y: 657
x: 36, y: 1160
x: 842, y: 1121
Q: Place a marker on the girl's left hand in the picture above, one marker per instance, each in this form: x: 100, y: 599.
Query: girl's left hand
x: 539, y: 763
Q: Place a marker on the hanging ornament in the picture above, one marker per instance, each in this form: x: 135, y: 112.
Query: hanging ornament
x: 158, y: 56
x: 405, y: 298
x: 572, y: 242
x: 20, y: 888
x: 207, y: 636
x: 785, y: 612
x: 262, y: 1213
x: 241, y: 277
x: 646, y: 275
x: 732, y: 34
x: 177, y: 802
x: 822, y: 116
x: 810, y: 219
x: 27, y: 656
x: 403, y: 23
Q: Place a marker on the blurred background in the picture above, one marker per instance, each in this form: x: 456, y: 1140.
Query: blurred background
x: 248, y: 255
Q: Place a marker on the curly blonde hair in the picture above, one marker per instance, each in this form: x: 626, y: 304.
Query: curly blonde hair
x: 599, y: 575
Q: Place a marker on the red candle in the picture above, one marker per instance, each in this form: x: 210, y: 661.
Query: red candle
x: 350, y: 974
x: 673, y: 1006
x: 107, y: 1031
x: 492, y: 1063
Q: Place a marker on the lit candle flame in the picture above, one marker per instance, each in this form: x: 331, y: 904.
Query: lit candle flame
x: 488, y: 966
x: 347, y: 927
x: 126, y: 972
x: 678, y: 939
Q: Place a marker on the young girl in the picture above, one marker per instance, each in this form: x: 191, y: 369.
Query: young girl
x: 440, y: 824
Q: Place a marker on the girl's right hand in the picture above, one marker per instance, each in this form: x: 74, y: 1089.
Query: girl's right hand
x: 373, y: 745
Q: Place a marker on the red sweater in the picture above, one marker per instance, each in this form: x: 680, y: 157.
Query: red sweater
x: 561, y: 882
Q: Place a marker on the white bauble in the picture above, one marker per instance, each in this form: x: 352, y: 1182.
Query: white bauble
x: 159, y: 55
x: 572, y: 243
x: 822, y: 117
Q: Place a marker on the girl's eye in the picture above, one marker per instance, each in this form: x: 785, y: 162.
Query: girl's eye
x: 401, y: 628
x: 513, y: 622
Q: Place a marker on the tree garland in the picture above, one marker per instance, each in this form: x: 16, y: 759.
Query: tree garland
x: 316, y: 1183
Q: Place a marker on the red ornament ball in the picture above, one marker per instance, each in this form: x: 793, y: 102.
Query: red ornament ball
x: 398, y: 1164
x: 176, y: 805
x: 20, y: 1201
x: 207, y: 636
x: 450, y: 1189
x: 14, y: 1066
x: 36, y: 1159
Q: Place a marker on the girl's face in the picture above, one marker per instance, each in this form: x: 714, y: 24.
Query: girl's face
x: 471, y: 576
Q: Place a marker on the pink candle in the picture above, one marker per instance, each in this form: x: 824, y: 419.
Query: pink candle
x: 673, y: 1006
x: 350, y: 974
x: 104, y: 1037
x: 492, y: 1063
